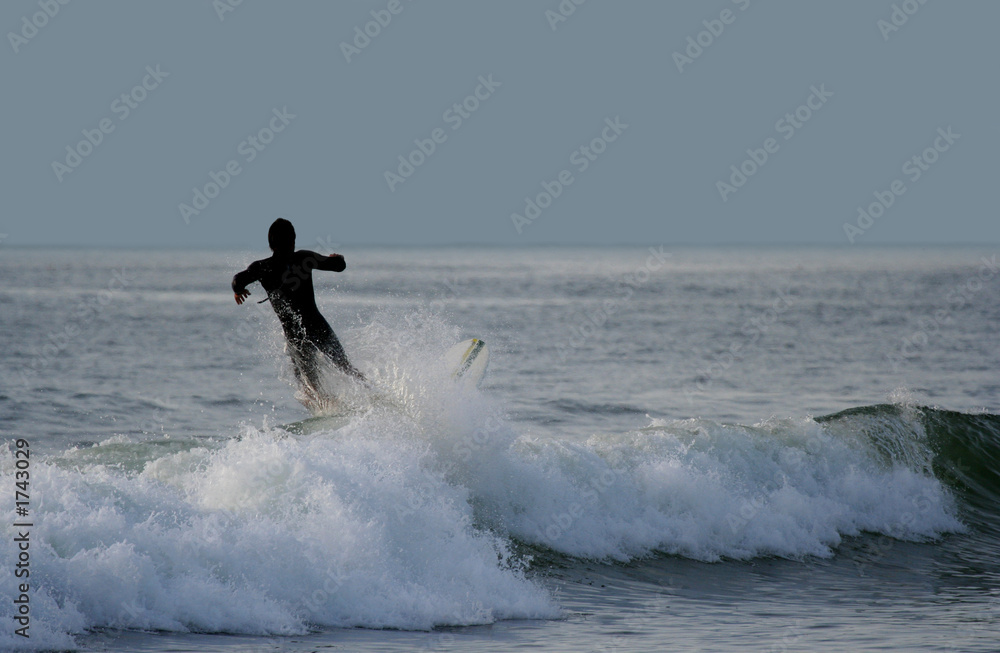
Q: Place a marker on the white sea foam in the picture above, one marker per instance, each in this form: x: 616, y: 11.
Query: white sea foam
x: 266, y: 534
x: 708, y: 491
x: 405, y: 517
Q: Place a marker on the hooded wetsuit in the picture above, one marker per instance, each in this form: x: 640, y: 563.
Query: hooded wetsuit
x: 287, y: 278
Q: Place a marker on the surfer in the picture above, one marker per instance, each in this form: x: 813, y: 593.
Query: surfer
x: 287, y: 278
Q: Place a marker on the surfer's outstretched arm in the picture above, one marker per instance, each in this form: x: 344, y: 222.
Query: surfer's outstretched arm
x: 242, y: 280
x: 331, y: 263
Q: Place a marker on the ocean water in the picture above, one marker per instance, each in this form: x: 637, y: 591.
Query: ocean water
x: 673, y: 449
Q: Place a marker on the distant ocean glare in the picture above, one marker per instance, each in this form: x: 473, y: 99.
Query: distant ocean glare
x: 761, y: 449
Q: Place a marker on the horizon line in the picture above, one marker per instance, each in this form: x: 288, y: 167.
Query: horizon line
x: 454, y: 245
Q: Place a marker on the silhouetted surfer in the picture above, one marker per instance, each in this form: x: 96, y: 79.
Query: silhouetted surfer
x: 287, y: 278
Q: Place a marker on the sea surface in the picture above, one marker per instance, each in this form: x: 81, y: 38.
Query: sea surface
x: 754, y: 449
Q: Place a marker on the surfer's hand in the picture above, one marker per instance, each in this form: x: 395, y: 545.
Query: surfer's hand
x: 242, y: 295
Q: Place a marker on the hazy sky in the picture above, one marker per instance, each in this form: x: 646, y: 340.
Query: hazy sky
x: 116, y: 111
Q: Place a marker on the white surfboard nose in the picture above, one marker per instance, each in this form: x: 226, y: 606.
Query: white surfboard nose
x: 468, y: 360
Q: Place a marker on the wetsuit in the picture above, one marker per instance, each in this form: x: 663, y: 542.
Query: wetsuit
x: 287, y: 278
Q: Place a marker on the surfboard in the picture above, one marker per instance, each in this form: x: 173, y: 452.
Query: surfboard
x: 465, y: 363
x: 316, y: 424
x: 317, y: 405
x: 468, y: 361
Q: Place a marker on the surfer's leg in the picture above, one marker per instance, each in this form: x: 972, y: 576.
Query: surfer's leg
x: 331, y: 346
x: 312, y: 373
x: 307, y: 372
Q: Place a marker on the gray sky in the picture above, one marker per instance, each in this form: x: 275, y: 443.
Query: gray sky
x: 551, y: 77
